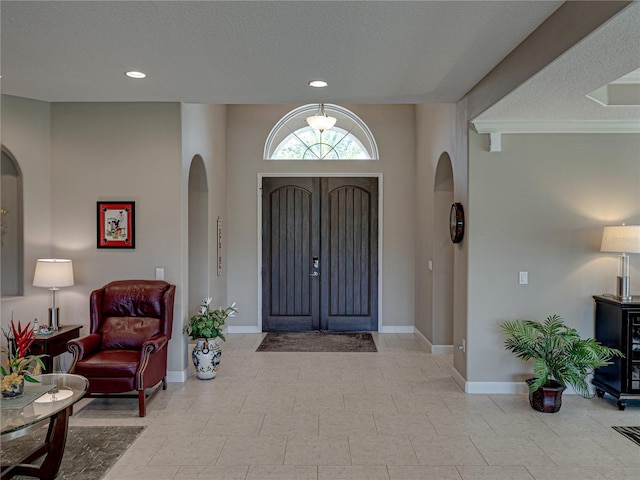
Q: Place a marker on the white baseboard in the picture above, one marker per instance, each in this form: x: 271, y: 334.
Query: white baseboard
x: 398, y: 329
x: 433, y: 349
x: 244, y: 329
x: 496, y: 388
x: 179, y: 376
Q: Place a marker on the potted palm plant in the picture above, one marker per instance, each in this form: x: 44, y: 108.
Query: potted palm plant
x: 560, y: 358
x: 204, y: 327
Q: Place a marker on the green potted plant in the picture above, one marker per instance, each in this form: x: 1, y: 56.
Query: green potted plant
x: 204, y: 327
x: 560, y: 358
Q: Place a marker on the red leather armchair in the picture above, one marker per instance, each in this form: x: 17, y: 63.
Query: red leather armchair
x: 126, y: 350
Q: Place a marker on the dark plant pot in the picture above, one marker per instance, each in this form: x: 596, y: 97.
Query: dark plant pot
x: 547, y: 398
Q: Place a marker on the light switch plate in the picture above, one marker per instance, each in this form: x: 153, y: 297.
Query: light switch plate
x: 523, y: 278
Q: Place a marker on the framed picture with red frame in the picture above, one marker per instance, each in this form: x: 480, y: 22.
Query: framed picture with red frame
x: 116, y: 225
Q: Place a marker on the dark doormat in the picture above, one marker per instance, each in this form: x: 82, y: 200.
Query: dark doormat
x: 317, y: 342
x: 632, y: 433
x: 88, y: 455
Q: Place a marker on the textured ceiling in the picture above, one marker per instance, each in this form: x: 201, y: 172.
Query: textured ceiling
x: 559, y: 91
x: 265, y: 52
x: 258, y: 52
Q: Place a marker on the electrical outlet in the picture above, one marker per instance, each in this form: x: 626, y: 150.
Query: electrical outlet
x: 159, y: 273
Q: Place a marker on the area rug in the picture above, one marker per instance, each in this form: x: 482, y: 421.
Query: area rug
x: 317, y: 342
x: 632, y: 433
x: 89, y: 454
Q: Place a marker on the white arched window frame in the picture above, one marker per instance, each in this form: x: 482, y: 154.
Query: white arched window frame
x: 292, y: 138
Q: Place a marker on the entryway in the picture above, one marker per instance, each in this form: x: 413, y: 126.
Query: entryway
x: 319, y: 254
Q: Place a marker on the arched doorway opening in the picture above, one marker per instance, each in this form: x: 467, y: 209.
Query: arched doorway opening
x: 443, y: 256
x: 11, y: 227
x: 198, y: 233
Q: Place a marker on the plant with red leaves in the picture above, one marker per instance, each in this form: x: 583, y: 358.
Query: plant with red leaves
x: 19, y: 364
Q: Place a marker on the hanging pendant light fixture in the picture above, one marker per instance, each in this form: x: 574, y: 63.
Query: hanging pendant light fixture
x: 320, y: 121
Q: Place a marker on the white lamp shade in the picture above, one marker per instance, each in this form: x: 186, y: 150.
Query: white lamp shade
x: 621, y: 239
x: 53, y: 273
x: 321, y: 122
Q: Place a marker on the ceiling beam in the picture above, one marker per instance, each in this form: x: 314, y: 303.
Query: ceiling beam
x: 569, y: 24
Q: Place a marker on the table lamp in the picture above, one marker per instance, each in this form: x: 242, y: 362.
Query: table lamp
x: 53, y: 273
x: 622, y: 239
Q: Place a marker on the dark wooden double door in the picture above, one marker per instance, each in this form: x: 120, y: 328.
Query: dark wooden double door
x: 319, y: 254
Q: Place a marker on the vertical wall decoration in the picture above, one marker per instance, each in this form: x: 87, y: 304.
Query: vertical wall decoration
x: 219, y: 245
x: 116, y: 224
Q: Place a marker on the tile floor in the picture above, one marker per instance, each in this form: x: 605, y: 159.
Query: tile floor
x: 391, y: 415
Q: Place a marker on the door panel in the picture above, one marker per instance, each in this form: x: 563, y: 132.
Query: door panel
x: 332, y: 222
x: 290, y: 214
x: 349, y: 229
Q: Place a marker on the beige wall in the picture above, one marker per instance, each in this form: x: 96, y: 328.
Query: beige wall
x: 203, y: 135
x: 539, y: 206
x: 117, y: 151
x: 26, y: 127
x: 393, y: 127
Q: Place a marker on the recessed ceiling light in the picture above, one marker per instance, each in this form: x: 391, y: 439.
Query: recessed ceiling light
x: 318, y: 83
x: 134, y: 74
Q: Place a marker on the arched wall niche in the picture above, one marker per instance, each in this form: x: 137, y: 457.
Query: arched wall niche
x: 199, y: 228
x: 443, y: 254
x: 11, y: 214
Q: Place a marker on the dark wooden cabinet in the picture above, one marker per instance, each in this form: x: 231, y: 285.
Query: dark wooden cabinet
x: 618, y: 326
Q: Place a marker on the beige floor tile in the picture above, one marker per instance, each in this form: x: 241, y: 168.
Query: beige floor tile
x: 446, y: 451
x: 187, y: 450
x: 494, y: 473
x: 282, y: 472
x: 303, y: 424
x: 519, y: 424
x: 212, y: 472
x: 577, y: 452
x: 408, y: 402
x: 369, y: 404
x: 403, y: 472
x: 347, y: 424
x: 619, y: 473
x: 461, y: 424
x: 284, y: 374
x: 352, y: 473
x: 403, y: 424
x: 141, y: 472
x: 234, y: 424
x: 396, y: 414
x: 249, y: 450
x: 263, y: 402
x: 187, y: 424
x: 317, y: 450
x: 511, y: 451
x: 318, y: 401
x: 382, y: 450
x: 564, y: 473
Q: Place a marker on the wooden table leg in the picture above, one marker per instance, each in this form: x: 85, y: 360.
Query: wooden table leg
x: 52, y: 448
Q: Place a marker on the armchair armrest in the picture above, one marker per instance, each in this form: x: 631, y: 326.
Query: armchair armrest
x: 154, y: 344
x: 82, y: 347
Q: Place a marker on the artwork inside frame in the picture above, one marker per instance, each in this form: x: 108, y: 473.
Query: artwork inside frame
x: 116, y: 225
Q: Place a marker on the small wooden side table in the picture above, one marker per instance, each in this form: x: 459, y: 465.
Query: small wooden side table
x: 53, y: 344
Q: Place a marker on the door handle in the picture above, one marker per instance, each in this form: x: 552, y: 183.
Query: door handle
x: 314, y: 274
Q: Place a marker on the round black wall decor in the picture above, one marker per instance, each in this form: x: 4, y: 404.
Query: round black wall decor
x: 456, y: 223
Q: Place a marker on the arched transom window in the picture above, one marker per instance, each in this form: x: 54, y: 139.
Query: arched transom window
x: 293, y: 139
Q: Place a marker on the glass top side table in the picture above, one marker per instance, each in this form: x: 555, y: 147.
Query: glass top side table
x: 51, y: 399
